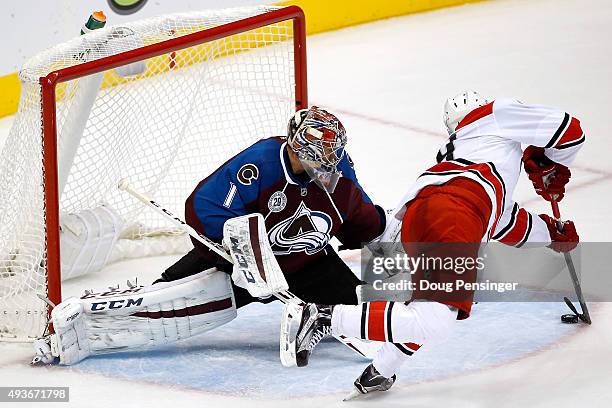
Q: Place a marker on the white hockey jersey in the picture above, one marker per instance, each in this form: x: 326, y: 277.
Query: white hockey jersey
x: 486, y: 147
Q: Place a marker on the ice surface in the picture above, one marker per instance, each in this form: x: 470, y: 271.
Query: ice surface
x: 241, y: 357
x: 387, y: 81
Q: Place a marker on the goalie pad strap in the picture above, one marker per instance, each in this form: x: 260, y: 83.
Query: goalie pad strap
x: 188, y: 311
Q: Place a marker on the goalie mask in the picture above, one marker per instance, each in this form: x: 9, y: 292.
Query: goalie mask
x: 318, y: 139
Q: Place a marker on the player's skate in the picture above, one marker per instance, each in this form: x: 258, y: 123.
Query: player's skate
x: 315, y: 324
x: 370, y: 381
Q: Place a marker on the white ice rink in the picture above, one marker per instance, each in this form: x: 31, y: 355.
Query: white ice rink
x: 387, y: 82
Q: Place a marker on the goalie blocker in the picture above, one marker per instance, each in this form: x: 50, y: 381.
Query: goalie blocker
x: 255, y: 266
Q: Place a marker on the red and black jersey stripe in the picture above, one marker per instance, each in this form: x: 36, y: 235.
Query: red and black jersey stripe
x: 510, y: 224
x: 388, y: 325
x: 517, y: 231
x: 376, y: 321
x: 407, y: 348
x: 376, y: 325
x: 568, y: 134
x: 364, y: 320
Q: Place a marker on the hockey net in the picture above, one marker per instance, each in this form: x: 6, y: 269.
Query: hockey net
x: 162, y: 102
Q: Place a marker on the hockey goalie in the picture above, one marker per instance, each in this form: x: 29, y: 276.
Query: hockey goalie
x: 275, y: 206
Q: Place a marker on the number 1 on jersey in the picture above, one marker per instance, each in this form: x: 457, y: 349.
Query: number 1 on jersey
x: 227, y: 203
x: 447, y: 151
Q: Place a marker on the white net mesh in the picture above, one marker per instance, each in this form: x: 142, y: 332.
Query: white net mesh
x: 165, y: 128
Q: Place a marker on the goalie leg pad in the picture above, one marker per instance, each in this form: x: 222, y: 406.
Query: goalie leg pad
x: 137, y: 317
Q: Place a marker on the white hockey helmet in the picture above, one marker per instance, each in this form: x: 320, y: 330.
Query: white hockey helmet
x: 457, y: 107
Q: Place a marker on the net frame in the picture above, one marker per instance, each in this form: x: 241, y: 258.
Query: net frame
x: 49, y: 83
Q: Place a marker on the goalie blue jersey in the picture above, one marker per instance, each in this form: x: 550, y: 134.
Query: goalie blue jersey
x: 300, y: 216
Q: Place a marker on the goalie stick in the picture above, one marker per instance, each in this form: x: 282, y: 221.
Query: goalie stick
x: 362, y: 348
x: 584, y: 316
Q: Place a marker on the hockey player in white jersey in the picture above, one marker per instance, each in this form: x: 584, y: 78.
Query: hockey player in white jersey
x: 465, y: 198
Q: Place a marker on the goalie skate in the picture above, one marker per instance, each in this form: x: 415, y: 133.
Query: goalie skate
x: 314, y: 326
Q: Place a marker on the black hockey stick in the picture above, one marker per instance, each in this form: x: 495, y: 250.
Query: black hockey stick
x: 584, y: 316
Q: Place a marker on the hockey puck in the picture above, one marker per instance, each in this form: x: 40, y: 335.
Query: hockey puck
x: 569, y: 318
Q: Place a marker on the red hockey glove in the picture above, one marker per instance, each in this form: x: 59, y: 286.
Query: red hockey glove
x: 548, y: 178
x: 562, y: 241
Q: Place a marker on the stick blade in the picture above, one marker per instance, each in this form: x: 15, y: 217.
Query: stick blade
x: 584, y: 317
x: 352, y: 395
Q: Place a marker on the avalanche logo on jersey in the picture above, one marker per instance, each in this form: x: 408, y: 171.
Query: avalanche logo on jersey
x: 306, y: 231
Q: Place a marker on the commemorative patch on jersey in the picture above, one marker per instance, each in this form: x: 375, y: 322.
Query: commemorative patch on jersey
x: 277, y: 202
x: 247, y: 173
